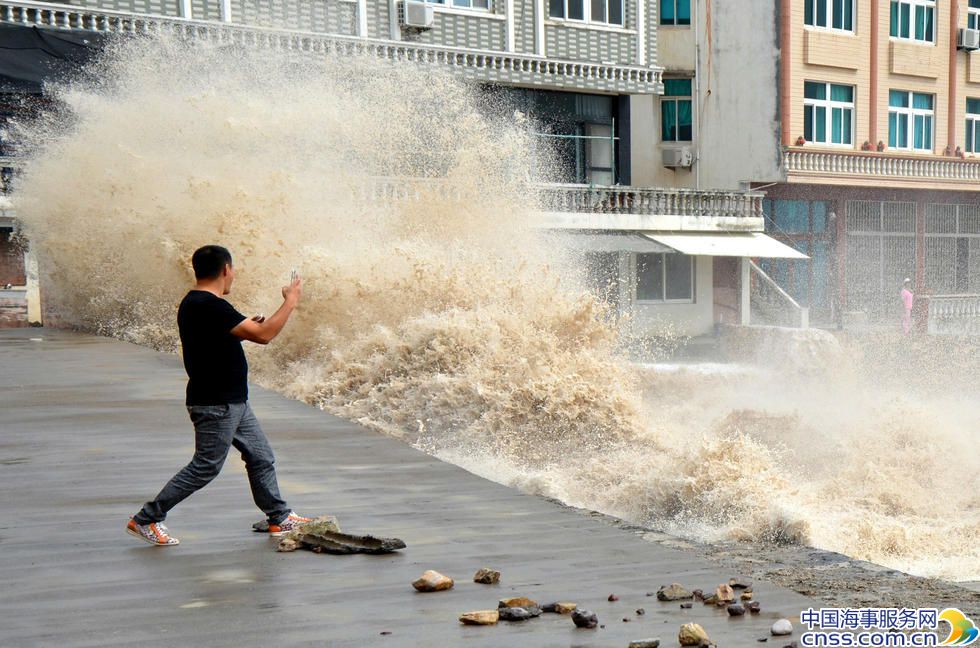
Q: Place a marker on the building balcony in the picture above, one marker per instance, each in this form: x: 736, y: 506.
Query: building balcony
x: 647, y: 208
x: 810, y: 165
x: 471, y: 63
x: 571, y: 206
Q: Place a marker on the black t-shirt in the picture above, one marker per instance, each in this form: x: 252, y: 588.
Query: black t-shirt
x: 216, y: 369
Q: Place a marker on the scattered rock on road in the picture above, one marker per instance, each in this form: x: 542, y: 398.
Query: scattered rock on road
x: 645, y: 643
x: 585, y: 619
x: 781, y: 628
x: 486, y: 576
x: 673, y: 592
x: 692, y: 634
x: 433, y: 581
x: 480, y: 617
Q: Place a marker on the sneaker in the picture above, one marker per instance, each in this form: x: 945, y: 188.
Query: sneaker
x: 291, y: 523
x: 155, y: 533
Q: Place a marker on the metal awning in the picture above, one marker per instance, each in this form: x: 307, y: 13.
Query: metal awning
x: 610, y: 242
x: 730, y: 244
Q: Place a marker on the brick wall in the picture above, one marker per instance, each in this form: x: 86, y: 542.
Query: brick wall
x: 11, y: 260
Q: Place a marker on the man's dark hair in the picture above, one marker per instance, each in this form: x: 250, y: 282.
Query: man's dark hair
x: 209, y: 261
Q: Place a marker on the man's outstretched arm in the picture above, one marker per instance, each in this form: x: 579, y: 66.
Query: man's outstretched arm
x: 263, y: 330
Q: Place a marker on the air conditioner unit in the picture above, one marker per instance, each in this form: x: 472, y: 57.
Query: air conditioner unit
x: 969, y: 39
x: 418, y: 15
x: 678, y: 157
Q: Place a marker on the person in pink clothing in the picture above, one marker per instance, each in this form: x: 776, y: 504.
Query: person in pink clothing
x: 908, y: 299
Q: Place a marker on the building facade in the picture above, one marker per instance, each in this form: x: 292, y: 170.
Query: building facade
x: 858, y: 118
x: 589, y: 77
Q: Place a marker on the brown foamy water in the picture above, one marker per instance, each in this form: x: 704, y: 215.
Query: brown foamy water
x: 437, y: 315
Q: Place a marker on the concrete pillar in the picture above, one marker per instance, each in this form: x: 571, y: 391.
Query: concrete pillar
x: 33, y: 288
x: 744, y: 291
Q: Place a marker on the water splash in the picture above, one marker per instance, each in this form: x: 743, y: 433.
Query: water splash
x: 436, y: 314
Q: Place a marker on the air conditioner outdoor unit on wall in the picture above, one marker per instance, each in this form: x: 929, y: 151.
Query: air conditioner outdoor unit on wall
x: 418, y: 15
x: 969, y: 39
x: 678, y: 157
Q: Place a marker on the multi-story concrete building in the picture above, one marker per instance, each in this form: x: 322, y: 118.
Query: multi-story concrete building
x: 859, y: 119
x: 586, y: 73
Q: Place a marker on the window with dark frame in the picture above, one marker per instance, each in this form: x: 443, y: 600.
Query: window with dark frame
x: 676, y: 111
x: 675, y: 12
x: 664, y: 277
x: 829, y: 14
x: 601, y: 12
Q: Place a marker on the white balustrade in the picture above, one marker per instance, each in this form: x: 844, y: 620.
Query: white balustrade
x: 954, y: 315
x: 890, y: 165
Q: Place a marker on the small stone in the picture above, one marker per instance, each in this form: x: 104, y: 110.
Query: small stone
x: 736, y: 610
x: 613, y: 598
x: 725, y: 593
x: 625, y: 620
x: 739, y: 583
x: 673, y: 592
x: 651, y: 593
x: 585, y: 619
x: 762, y: 639
x: 486, y: 576
x: 691, y: 634
x: 514, y: 614
x: 791, y: 644
x: 385, y: 632
x: 781, y: 628
x: 755, y: 607
x: 560, y: 607
x: 746, y: 595
x: 687, y: 606
x: 287, y: 544
x: 433, y: 581
x: 517, y: 601
x: 710, y: 600
x: 698, y: 594
x: 645, y: 643
x: 641, y: 612
x: 480, y: 617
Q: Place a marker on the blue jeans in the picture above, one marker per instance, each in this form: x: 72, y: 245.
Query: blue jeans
x: 216, y: 429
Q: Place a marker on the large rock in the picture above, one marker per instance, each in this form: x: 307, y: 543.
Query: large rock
x: 725, y: 593
x: 323, y: 535
x: 645, y: 643
x: 480, y: 617
x: 486, y: 576
x: 515, y: 614
x: 516, y: 601
x: 433, y: 581
x: 585, y: 619
x: 692, y: 634
x: 781, y: 628
x: 561, y: 607
x: 736, y: 610
x: 673, y: 592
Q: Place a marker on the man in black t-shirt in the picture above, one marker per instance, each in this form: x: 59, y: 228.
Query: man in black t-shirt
x: 211, y: 334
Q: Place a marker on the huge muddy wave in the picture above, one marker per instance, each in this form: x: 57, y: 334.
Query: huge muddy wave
x: 434, y: 312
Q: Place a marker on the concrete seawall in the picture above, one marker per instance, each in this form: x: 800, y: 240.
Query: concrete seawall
x: 90, y: 428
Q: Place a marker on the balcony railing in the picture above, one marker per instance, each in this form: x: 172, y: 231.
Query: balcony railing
x: 650, y: 201
x: 482, y: 64
x: 804, y: 161
x: 555, y: 198
x: 954, y: 315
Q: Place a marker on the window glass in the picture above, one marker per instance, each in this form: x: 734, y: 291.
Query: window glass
x: 679, y: 276
x: 649, y: 277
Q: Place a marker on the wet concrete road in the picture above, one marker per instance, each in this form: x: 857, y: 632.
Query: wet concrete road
x: 90, y: 428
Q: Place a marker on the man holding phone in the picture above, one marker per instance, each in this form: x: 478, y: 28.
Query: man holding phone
x: 211, y: 335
